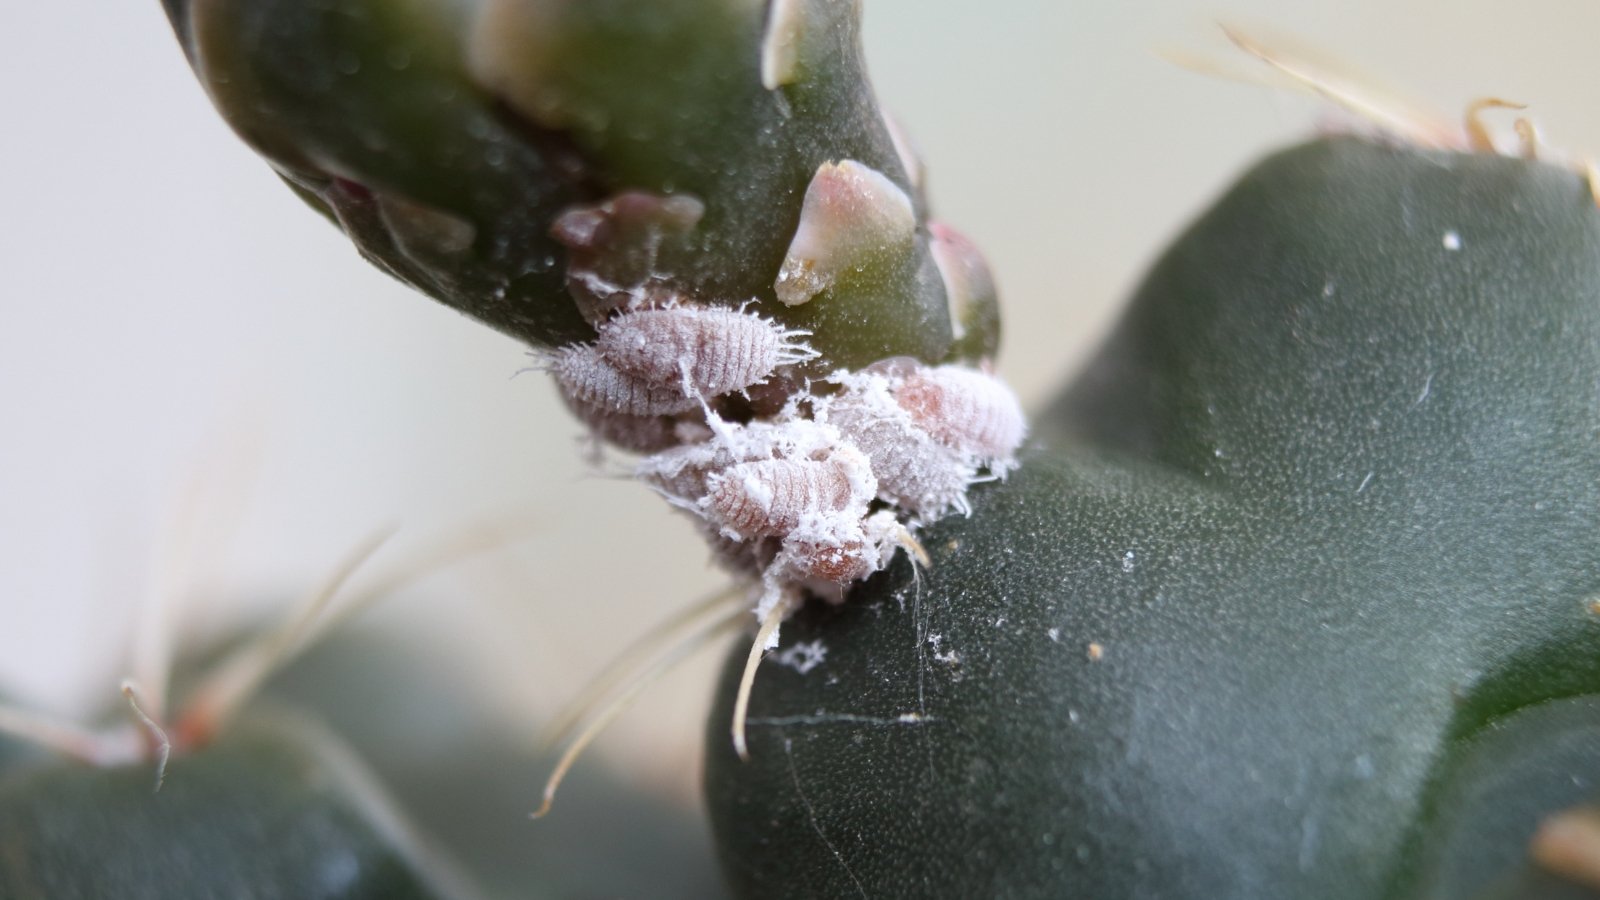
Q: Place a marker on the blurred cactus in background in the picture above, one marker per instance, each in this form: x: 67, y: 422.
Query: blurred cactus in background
x: 276, y: 809
x: 220, y: 796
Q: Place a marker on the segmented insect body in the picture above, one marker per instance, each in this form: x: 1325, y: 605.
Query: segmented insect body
x: 783, y: 497
x: 806, y: 491
x: 832, y: 563
x: 914, y: 471
x: 788, y: 496
x: 707, y: 350
x: 681, y: 473
x: 828, y: 565
x: 660, y: 362
x: 587, y: 378
x: 968, y: 411
x: 928, y: 431
x: 640, y: 434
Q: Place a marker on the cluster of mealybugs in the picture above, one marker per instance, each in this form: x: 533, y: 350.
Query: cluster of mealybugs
x: 806, y: 485
x: 803, y: 484
x: 821, y: 493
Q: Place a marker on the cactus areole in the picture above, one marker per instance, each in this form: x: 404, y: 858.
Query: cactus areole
x: 1325, y: 512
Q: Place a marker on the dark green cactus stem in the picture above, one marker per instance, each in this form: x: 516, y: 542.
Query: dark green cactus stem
x: 366, y: 106
x: 446, y: 138
x: 708, y: 126
x: 1315, y: 539
x: 270, y: 810
x: 1492, y: 792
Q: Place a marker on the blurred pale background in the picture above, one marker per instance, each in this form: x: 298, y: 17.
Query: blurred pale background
x: 164, y: 302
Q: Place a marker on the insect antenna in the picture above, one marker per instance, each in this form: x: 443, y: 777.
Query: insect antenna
x: 624, y: 699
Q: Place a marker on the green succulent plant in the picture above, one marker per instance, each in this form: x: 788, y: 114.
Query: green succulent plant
x: 445, y: 138
x: 275, y: 808
x: 1299, y: 573
x: 220, y: 795
x: 1315, y: 534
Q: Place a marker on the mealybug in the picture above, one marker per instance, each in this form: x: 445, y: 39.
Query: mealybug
x: 928, y: 431
x: 639, y: 434
x: 587, y: 378
x: 968, y: 411
x: 775, y: 497
x: 707, y: 350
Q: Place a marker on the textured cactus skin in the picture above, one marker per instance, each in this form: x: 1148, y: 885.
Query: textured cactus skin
x: 261, y: 813
x: 413, y: 129
x: 1298, y: 659
x: 1494, y: 790
x: 365, y: 108
x: 708, y: 127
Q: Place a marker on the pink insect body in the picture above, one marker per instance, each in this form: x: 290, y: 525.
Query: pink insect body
x: 682, y: 473
x: 805, y: 486
x: 586, y: 377
x: 830, y: 563
x: 777, y: 497
x: 966, y: 410
x: 834, y: 563
x: 915, y: 472
x: 639, y: 434
x: 708, y: 350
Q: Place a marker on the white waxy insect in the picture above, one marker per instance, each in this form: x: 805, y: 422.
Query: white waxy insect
x: 928, y: 431
x: 589, y: 380
x: 681, y: 473
x: 639, y: 434
x: 706, y: 351
x: 788, y: 497
x: 971, y: 412
x: 915, y: 472
x: 830, y: 563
